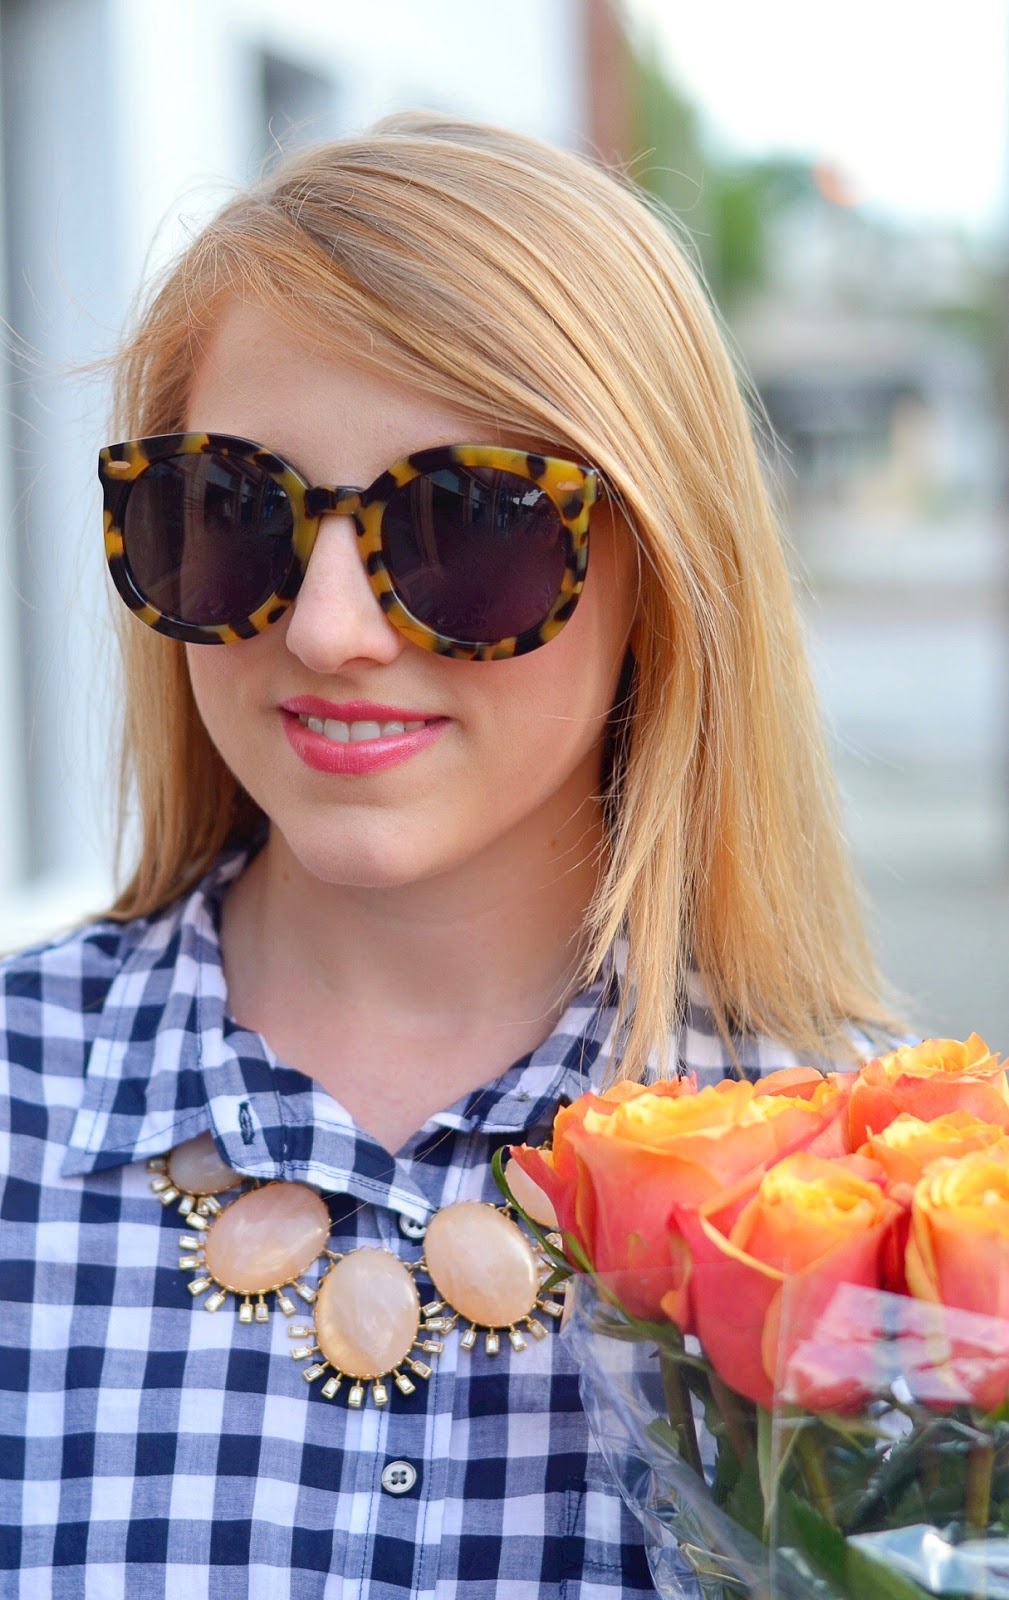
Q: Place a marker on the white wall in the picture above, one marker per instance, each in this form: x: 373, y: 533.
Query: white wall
x: 125, y: 125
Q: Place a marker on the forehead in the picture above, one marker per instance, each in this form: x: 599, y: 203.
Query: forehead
x: 332, y: 412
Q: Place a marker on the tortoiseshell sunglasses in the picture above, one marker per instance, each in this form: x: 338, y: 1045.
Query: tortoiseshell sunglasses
x: 472, y: 551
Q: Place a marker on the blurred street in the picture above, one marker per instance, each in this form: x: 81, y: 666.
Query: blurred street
x: 907, y: 627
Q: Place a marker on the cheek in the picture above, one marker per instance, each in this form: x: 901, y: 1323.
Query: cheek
x: 218, y: 677
x: 552, y: 705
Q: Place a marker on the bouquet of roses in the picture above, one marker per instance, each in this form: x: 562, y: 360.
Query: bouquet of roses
x: 791, y: 1314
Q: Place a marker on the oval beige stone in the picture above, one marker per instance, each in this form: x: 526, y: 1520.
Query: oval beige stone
x: 481, y: 1264
x: 267, y: 1237
x: 534, y: 1202
x: 367, y: 1313
x: 196, y: 1168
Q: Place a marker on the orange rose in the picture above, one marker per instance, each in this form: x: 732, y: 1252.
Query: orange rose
x: 958, y: 1255
x: 958, y: 1251
x: 622, y: 1162
x: 929, y: 1080
x: 908, y: 1145
x: 811, y: 1222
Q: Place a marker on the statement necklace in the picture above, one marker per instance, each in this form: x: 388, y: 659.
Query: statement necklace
x: 368, y: 1315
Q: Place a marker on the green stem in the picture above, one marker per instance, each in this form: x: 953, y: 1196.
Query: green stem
x: 738, y: 1425
x: 681, y: 1413
x: 815, y: 1474
x: 980, y: 1460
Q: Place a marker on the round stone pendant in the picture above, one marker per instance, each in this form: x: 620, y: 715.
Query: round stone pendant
x: 260, y: 1244
x: 367, y: 1318
x: 486, y: 1272
x: 193, y: 1174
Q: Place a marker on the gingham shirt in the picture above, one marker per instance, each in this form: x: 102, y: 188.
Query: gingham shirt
x: 149, y: 1449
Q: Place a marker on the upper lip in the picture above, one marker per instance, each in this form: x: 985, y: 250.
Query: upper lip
x: 309, y: 705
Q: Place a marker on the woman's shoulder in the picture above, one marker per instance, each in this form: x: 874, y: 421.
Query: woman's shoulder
x: 53, y: 996
x: 68, y: 970
x: 702, y: 1049
x: 70, y: 975
x: 57, y: 993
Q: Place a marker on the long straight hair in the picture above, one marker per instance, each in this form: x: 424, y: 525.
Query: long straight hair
x: 517, y: 279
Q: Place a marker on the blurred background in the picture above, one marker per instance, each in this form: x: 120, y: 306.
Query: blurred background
x: 842, y: 176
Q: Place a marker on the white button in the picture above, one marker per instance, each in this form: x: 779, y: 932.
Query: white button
x: 399, y: 1477
x: 410, y: 1229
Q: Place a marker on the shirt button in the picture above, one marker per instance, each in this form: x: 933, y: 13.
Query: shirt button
x: 410, y: 1229
x: 399, y: 1477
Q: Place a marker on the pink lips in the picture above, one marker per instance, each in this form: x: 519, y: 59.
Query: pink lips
x: 360, y: 756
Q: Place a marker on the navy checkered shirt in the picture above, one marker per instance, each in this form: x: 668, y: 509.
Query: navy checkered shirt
x: 148, y: 1449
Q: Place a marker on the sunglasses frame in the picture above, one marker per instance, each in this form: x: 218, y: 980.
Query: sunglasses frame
x: 572, y: 488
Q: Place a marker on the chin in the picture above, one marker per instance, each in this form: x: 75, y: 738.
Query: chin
x: 365, y: 858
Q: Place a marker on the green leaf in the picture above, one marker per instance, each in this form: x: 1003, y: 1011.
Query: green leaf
x: 825, y: 1548
x: 745, y: 1502
x: 845, y: 1565
x: 870, y: 1578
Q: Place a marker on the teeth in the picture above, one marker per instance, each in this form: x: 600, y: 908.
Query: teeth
x: 356, y: 732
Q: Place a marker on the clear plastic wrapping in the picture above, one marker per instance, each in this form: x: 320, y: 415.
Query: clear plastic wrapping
x: 880, y: 1473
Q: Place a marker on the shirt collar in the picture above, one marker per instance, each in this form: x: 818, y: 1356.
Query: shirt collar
x: 168, y: 1062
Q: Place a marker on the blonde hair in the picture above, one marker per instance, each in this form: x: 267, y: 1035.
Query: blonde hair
x: 519, y: 279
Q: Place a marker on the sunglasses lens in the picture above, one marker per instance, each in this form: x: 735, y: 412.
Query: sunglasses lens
x: 207, y: 538
x: 474, y: 553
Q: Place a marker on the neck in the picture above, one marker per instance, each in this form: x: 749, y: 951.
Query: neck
x: 460, y: 974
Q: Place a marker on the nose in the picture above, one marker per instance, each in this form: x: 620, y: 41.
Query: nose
x: 336, y: 618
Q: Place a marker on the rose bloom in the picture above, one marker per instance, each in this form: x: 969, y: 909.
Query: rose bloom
x: 929, y: 1080
x: 958, y: 1251
x: 958, y: 1256
x: 908, y: 1145
x: 623, y: 1161
x: 811, y: 1224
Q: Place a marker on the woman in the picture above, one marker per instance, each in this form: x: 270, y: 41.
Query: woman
x: 457, y: 823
